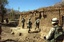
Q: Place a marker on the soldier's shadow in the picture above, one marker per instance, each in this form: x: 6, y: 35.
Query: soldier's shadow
x: 9, y: 40
x: 36, y: 31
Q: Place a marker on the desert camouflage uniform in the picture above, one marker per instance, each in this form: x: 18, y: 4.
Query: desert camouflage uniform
x: 37, y: 23
x: 53, y: 34
x: 29, y: 24
x: 23, y: 22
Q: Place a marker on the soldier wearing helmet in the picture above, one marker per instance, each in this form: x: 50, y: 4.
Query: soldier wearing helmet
x: 37, y: 23
x: 29, y: 24
x: 54, y: 32
x: 23, y: 22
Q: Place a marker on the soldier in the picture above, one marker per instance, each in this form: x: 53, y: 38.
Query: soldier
x: 7, y: 20
x: 23, y: 22
x: 37, y: 23
x: 54, y: 32
x: 29, y: 24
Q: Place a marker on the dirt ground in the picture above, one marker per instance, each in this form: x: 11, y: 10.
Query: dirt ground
x: 25, y: 36
x: 18, y: 34
x: 21, y: 35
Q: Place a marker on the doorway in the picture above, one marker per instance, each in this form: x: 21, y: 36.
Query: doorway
x: 63, y: 21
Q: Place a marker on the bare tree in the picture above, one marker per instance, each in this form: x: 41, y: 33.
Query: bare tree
x: 3, y: 9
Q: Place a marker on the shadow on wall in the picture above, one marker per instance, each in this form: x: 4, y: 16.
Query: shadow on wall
x: 45, y: 16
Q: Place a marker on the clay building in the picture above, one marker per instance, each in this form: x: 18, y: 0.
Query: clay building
x: 47, y: 14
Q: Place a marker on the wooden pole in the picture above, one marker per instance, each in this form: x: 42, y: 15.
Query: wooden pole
x: 43, y: 12
x: 60, y: 18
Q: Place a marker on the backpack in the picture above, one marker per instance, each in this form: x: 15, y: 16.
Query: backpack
x: 37, y: 21
x: 23, y: 20
x: 30, y: 23
x: 58, y: 32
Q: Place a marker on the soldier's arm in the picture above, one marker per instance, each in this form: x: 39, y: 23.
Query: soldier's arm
x: 50, y: 33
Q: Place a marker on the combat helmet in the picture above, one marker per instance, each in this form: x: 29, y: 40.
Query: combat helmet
x: 54, y: 20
